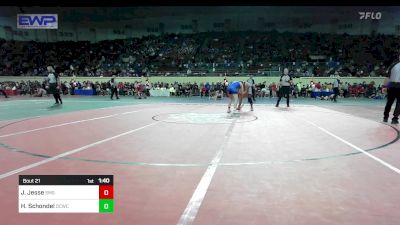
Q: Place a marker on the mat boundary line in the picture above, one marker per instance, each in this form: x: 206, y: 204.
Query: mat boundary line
x: 65, y: 124
x: 391, y: 167
x: 70, y: 152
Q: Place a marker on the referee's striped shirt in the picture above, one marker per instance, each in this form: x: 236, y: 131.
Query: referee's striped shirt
x: 393, y: 74
x: 285, y: 80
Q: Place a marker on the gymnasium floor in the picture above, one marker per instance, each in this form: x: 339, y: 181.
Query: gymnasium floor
x: 186, y: 161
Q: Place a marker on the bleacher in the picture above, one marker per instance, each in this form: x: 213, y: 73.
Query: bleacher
x: 258, y: 53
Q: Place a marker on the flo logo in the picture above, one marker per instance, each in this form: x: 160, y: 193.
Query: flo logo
x: 370, y: 15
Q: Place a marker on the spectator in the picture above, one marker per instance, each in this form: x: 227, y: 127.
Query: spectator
x: 2, y: 90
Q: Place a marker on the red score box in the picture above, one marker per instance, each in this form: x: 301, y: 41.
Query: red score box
x: 106, y: 192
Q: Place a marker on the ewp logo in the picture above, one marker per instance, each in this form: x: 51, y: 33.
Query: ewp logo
x: 37, y: 21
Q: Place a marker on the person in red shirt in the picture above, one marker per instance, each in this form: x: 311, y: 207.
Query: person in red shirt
x: 274, y: 89
x: 141, y: 89
x: 203, y: 91
x: 318, y: 86
x: 121, y: 87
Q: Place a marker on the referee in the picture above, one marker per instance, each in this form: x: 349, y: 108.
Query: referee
x: 114, y: 88
x: 252, y: 83
x: 284, y: 87
x: 336, y: 84
x: 392, y: 87
x: 54, y: 84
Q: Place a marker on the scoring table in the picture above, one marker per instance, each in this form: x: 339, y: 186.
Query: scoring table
x: 66, y: 194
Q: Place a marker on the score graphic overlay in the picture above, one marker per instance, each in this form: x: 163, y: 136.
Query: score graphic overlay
x: 66, y: 194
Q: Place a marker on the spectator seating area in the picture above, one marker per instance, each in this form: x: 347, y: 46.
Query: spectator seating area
x: 299, y: 89
x: 211, y: 53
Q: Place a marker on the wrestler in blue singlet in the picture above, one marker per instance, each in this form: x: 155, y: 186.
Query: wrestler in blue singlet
x: 234, y: 87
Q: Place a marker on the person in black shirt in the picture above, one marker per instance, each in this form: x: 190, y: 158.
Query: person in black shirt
x: 336, y: 84
x: 392, y: 87
x: 114, y: 88
x: 252, y: 86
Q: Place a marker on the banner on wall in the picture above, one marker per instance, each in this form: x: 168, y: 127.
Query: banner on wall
x: 37, y: 21
x: 317, y: 57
